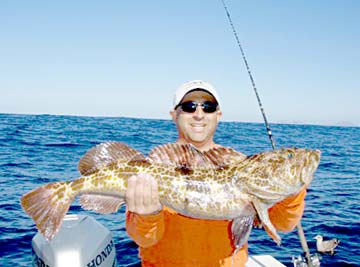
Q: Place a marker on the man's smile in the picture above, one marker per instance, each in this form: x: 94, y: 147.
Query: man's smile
x: 197, y: 127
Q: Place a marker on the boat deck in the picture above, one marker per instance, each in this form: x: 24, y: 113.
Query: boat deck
x: 263, y: 261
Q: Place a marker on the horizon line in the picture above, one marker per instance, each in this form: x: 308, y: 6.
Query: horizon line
x: 284, y: 122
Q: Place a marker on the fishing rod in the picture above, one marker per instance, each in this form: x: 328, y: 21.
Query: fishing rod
x: 301, y: 234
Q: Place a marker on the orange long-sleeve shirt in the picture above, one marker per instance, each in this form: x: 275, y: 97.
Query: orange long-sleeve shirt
x: 170, y: 239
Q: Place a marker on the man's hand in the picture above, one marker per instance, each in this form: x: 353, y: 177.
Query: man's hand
x: 142, y: 195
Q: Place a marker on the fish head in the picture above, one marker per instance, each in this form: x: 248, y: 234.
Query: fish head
x: 300, y: 163
x: 280, y: 172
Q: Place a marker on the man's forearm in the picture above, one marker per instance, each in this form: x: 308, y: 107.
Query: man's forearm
x: 286, y: 214
x: 147, y: 230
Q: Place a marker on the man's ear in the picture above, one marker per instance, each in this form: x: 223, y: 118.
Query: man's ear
x: 173, y: 114
x: 218, y: 115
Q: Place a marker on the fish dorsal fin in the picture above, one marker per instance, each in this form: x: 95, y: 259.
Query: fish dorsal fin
x: 188, y: 156
x: 223, y: 156
x: 180, y: 155
x: 106, y: 153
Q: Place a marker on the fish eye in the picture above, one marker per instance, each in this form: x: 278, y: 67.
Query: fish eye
x: 290, y: 155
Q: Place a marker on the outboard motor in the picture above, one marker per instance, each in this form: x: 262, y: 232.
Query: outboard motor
x: 81, y: 241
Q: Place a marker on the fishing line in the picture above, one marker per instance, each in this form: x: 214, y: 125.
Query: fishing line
x: 268, y: 130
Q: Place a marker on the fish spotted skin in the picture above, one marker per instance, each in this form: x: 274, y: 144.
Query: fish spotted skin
x: 219, y: 184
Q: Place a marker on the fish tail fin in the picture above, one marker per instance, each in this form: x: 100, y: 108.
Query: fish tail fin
x: 47, y: 206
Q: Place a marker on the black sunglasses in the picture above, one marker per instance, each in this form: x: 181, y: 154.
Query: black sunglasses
x: 190, y: 106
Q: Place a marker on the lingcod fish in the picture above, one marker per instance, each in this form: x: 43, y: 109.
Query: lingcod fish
x: 219, y: 184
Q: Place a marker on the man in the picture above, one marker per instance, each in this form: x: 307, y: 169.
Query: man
x: 167, y: 238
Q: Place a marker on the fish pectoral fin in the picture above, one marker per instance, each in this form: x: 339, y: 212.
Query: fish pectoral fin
x: 262, y: 211
x: 241, y: 229
x: 104, y: 204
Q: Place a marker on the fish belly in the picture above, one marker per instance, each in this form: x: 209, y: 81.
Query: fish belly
x: 204, y: 199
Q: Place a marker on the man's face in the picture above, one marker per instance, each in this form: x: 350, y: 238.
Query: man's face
x: 197, y: 128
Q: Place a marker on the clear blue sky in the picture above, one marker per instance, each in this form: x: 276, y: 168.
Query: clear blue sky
x: 126, y: 58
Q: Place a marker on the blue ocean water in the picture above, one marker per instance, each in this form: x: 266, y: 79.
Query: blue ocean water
x: 38, y: 149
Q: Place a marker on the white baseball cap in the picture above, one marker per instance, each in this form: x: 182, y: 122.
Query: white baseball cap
x: 193, y: 85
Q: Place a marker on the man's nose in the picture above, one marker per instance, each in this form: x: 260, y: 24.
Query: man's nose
x: 199, y: 112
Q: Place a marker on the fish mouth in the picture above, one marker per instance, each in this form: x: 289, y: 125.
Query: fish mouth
x: 310, y: 166
x: 316, y: 156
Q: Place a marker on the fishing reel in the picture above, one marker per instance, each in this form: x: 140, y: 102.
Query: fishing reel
x: 301, y: 261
